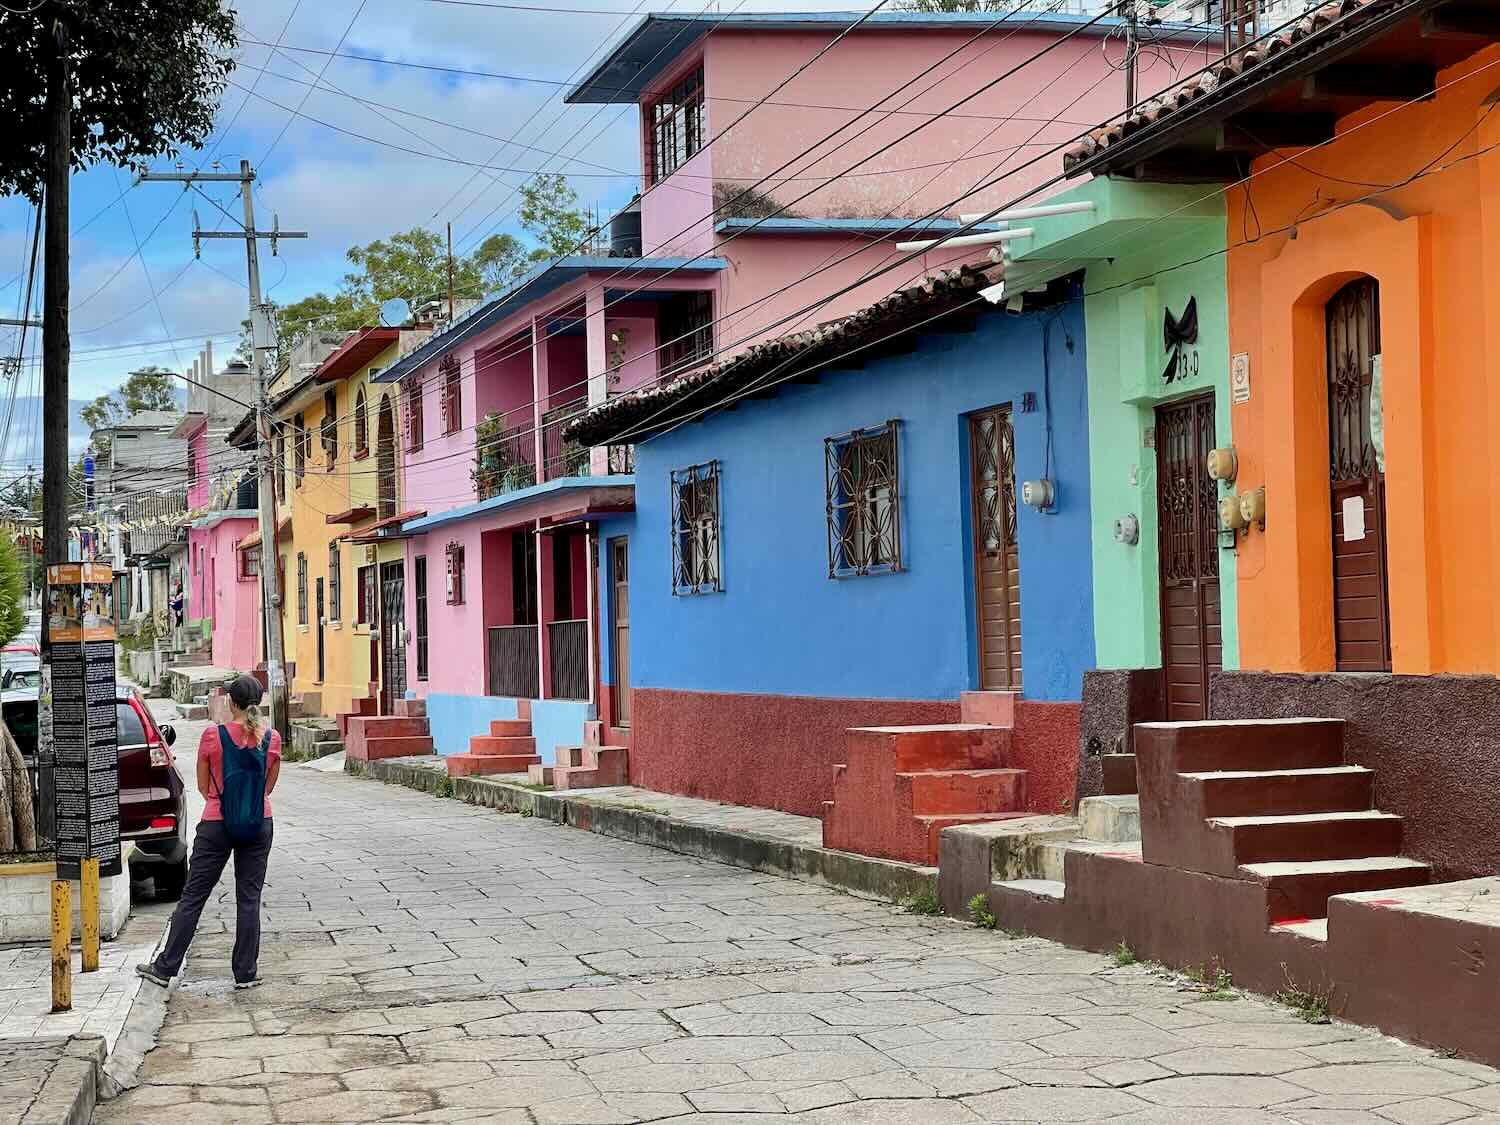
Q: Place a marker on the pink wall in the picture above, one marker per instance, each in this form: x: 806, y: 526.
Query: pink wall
x: 198, y: 450
x: 638, y: 347
x: 217, y: 592
x: 504, y: 377
x: 456, y: 633
x: 1044, y: 103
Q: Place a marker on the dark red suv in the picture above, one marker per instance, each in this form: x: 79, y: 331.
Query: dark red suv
x: 152, y: 808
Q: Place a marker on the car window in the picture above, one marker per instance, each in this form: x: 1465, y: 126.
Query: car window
x: 132, y: 732
x: 27, y: 679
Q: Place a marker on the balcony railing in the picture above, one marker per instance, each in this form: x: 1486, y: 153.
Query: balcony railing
x: 569, y: 648
x: 563, y: 458
x: 504, y: 456
x: 512, y: 668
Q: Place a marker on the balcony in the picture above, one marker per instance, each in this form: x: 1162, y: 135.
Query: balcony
x: 513, y: 671
x: 563, y: 458
x: 568, y: 649
x: 504, y: 456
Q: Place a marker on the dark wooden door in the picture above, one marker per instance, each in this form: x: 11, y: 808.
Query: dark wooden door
x: 1188, y: 522
x: 619, y: 623
x: 322, y: 640
x: 1361, y: 602
x: 392, y: 633
x: 385, y: 460
x: 997, y: 559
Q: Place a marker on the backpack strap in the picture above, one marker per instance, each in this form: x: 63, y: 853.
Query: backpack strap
x: 225, y: 745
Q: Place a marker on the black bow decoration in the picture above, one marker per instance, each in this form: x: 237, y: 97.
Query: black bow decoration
x: 1176, y: 334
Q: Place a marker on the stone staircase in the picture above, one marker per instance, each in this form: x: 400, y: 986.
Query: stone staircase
x: 508, y: 748
x: 590, y: 766
x: 369, y: 738
x: 901, y: 786
x: 366, y: 706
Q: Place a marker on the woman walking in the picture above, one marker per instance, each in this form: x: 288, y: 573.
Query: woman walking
x: 238, y: 763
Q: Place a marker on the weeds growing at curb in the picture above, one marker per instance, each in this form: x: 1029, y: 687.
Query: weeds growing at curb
x: 1310, y: 1005
x: 1124, y: 955
x: 443, y: 788
x: 923, y: 902
x: 979, y: 912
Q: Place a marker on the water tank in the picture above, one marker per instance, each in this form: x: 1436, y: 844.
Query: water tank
x: 625, y: 231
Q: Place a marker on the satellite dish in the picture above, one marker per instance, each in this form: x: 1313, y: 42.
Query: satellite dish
x: 395, y: 312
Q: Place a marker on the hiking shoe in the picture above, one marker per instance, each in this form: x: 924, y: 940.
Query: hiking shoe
x: 253, y: 982
x: 149, y: 970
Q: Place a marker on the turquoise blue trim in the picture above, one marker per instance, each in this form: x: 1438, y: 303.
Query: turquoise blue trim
x: 512, y: 499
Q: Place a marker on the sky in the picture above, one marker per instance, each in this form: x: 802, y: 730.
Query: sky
x: 138, y: 295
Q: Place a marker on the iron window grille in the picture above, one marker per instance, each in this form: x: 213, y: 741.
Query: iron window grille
x: 281, y: 468
x: 361, y: 425
x: 676, y: 133
x: 299, y: 448
x: 685, y: 326
x: 862, y: 471
x: 414, y: 414
x: 249, y: 561
x: 695, y: 530
x: 455, y: 554
x: 452, y: 400
x: 419, y: 566
x: 330, y: 429
x: 301, y: 589
x: 335, y: 584
x: 367, y: 609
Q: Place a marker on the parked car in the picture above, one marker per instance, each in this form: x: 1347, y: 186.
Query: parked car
x: 20, y: 671
x: 152, y: 804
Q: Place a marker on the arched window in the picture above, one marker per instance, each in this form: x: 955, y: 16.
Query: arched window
x: 385, y: 458
x: 361, y: 426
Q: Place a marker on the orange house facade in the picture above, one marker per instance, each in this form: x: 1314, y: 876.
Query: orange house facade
x: 1363, y: 275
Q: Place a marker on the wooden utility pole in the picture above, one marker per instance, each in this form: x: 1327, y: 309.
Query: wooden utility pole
x: 261, y: 334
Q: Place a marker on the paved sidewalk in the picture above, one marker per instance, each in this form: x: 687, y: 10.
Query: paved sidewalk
x: 430, y: 961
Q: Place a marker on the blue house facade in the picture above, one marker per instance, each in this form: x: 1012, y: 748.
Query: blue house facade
x: 828, y: 533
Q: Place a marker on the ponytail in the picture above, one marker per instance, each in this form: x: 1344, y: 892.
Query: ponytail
x: 253, y: 723
x: 245, y: 693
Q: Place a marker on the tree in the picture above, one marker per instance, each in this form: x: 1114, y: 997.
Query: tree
x: 146, y: 78
x: 549, y: 213
x: 12, y: 591
x: 499, y: 260
x: 150, y: 388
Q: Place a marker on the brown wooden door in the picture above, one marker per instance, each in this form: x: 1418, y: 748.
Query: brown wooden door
x: 392, y: 635
x: 997, y: 559
x: 619, y: 623
x: 1361, y: 604
x: 1188, y: 533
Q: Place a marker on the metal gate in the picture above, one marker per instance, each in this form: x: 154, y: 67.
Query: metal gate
x: 997, y: 558
x: 322, y: 636
x: 1188, y: 520
x: 619, y: 615
x: 1361, y: 603
x: 392, y: 636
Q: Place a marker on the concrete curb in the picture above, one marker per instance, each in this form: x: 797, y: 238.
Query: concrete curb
x: 866, y: 876
x: 69, y: 1093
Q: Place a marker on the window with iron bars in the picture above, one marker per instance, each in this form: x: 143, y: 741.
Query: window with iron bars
x: 676, y: 132
x: 414, y: 437
x: 862, y: 470
x: 281, y: 468
x: 695, y: 530
x: 301, y: 589
x: 335, y: 584
x: 299, y: 448
x: 685, y: 328
x: 452, y: 397
x: 330, y: 432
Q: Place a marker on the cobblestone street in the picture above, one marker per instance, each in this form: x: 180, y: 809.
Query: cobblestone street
x: 429, y: 961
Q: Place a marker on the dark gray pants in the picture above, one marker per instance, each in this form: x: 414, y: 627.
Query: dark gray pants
x: 211, y: 851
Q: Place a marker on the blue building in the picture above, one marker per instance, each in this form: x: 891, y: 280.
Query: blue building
x: 829, y: 532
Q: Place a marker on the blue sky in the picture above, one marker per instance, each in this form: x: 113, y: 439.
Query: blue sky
x: 341, y: 189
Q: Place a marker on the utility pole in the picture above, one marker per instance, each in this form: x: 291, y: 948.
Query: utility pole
x: 260, y: 334
x: 56, y: 356
x: 1132, y: 50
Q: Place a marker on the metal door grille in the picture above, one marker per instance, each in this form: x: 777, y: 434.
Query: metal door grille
x: 997, y: 562
x: 392, y: 630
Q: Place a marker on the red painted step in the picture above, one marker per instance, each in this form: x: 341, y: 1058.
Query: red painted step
x: 400, y: 747
x: 489, y: 745
x: 1302, y: 890
x: 954, y: 746
x: 1311, y: 836
x: 411, y: 708
x: 966, y: 791
x: 470, y: 765
x: 510, y: 728
x: 1273, y: 792
x: 385, y: 726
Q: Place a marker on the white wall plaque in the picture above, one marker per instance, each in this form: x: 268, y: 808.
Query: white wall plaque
x: 1354, y: 518
x: 1239, y: 378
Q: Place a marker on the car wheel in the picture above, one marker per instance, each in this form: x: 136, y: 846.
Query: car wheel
x: 169, y: 880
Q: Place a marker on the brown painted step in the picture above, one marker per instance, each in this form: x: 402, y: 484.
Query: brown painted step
x: 510, y: 728
x: 1245, y: 744
x: 1312, y: 836
x: 470, y: 765
x: 1118, y: 774
x: 1268, y: 792
x: 1302, y: 890
x: 504, y: 747
x: 385, y: 726
x: 967, y: 791
x: 400, y: 747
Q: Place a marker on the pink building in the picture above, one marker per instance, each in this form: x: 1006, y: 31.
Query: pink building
x: 970, y: 112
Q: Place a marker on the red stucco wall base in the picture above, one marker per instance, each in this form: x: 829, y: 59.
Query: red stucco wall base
x: 778, y: 751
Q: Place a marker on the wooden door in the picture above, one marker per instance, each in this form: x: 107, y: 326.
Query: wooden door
x: 322, y: 639
x: 997, y: 559
x: 392, y: 633
x: 619, y: 623
x: 1188, y: 534
x: 385, y: 460
x: 1361, y: 601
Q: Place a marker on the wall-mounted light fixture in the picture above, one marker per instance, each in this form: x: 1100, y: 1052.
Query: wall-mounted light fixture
x: 1127, y: 530
x: 1038, y: 494
x: 1223, y: 464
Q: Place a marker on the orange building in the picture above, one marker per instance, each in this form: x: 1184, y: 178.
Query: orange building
x: 1360, y: 147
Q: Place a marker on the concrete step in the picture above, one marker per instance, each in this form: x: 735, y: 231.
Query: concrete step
x: 1264, y: 792
x: 948, y: 746
x: 398, y: 747
x: 966, y: 791
x: 595, y: 766
x: 489, y: 745
x: 510, y: 728
x: 1040, y: 888
x: 571, y: 757
x: 1110, y: 819
x: 1243, y: 744
x: 472, y: 765
x: 1301, y: 890
x: 934, y: 826
x: 538, y: 774
x: 1118, y: 774
x: 411, y: 708
x: 384, y: 726
x: 1314, y: 929
x: 593, y: 733
x: 575, y: 777
x: 1312, y: 836
x: 988, y: 708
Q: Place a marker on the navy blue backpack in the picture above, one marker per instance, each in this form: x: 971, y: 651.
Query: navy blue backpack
x: 242, y: 800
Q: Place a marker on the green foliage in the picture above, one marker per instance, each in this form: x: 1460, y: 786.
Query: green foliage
x: 549, y: 213
x: 1123, y: 955
x: 499, y: 463
x: 925, y: 901
x: 1310, y: 1005
x: 979, y: 912
x: 443, y: 788
x: 150, y: 388
x: 12, y: 591
x: 146, y: 77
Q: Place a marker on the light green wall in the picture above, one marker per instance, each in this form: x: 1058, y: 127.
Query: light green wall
x: 1144, y: 246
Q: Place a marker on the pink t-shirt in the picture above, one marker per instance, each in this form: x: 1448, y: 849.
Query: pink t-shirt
x: 210, y: 751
